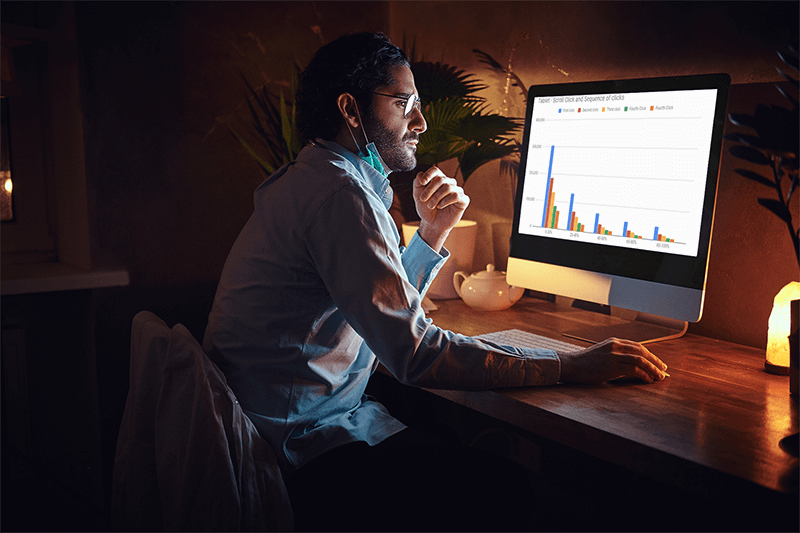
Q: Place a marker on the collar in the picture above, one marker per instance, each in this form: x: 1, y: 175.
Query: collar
x: 376, y: 181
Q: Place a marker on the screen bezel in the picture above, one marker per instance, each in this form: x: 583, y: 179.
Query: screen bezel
x: 683, y: 271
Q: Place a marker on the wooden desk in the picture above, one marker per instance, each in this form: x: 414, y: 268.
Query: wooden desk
x: 712, y: 428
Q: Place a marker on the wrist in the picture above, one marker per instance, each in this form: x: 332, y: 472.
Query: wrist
x: 432, y: 237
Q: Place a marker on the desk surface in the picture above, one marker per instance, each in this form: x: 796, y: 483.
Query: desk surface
x: 715, y: 425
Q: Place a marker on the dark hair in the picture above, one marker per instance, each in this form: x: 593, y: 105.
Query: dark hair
x: 356, y: 64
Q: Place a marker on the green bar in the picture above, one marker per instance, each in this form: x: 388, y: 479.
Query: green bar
x: 553, y: 218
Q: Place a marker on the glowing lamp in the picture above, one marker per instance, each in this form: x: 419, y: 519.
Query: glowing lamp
x: 779, y: 327
x: 6, y: 188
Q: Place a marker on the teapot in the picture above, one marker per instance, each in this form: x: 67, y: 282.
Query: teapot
x: 486, y: 289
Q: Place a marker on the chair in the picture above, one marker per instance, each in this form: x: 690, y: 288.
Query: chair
x: 188, y: 458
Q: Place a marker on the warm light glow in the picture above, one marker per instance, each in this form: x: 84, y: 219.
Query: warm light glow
x: 779, y: 326
x: 6, y: 211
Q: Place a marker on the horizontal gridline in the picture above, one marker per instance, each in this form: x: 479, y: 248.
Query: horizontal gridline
x: 586, y: 204
x: 587, y: 117
x: 621, y: 177
x: 628, y: 147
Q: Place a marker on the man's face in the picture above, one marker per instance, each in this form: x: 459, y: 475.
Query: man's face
x: 394, y: 135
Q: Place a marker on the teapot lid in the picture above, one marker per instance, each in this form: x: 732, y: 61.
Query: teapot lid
x: 490, y: 272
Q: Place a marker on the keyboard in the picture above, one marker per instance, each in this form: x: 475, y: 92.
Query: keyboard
x: 524, y: 339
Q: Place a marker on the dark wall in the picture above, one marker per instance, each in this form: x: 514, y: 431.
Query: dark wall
x: 162, y: 85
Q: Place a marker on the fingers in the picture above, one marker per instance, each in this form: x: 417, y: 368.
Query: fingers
x: 640, y: 361
x: 612, y: 359
x: 437, y: 191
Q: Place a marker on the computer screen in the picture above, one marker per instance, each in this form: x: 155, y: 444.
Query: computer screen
x: 616, y: 193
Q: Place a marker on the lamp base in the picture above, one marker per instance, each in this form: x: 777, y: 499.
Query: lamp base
x: 776, y: 369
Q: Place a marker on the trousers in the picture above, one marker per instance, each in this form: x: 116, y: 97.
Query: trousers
x: 412, y: 481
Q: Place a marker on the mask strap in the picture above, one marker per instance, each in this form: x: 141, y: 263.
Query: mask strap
x: 353, y: 136
x: 363, y: 129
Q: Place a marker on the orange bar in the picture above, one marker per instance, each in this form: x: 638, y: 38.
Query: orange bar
x: 548, y: 204
x: 556, y: 222
x: 550, y: 208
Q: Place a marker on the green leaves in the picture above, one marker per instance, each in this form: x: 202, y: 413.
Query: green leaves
x: 773, y: 144
x: 272, y: 137
x: 459, y: 124
x: 438, y: 81
x: 494, y: 65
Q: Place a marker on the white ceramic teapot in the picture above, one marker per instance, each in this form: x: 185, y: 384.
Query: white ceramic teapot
x: 486, y: 289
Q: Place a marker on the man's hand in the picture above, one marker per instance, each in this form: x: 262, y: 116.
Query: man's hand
x: 611, y: 359
x: 440, y: 204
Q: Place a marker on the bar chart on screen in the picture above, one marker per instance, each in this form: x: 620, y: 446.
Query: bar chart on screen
x: 603, y: 171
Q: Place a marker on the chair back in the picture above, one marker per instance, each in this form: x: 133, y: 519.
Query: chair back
x: 187, y: 457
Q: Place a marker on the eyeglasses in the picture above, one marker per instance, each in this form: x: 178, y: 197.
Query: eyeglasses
x: 411, y: 102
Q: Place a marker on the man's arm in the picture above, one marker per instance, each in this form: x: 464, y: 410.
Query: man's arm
x: 440, y: 204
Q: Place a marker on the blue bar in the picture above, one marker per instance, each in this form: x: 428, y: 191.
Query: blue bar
x: 655, y: 234
x: 569, y: 220
x: 625, y: 230
x: 547, y: 187
x: 596, y: 221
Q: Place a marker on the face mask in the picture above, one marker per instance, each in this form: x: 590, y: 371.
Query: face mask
x: 372, y: 158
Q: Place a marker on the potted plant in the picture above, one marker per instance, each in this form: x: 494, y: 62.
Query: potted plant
x: 460, y: 128
x: 773, y: 146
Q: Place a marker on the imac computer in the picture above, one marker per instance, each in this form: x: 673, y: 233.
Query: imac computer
x: 616, y: 194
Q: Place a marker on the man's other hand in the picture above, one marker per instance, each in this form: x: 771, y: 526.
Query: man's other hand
x: 440, y: 204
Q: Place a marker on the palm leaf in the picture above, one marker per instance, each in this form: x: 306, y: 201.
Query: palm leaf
x: 476, y: 155
x: 439, y: 81
x: 483, y: 128
x: 438, y: 114
x: 272, y: 139
x: 492, y: 63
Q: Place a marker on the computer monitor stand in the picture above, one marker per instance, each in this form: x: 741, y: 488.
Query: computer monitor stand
x: 644, y: 329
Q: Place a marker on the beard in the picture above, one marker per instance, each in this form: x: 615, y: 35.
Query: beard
x: 394, y: 151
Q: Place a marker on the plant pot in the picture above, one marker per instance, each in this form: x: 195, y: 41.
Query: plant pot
x: 461, y: 245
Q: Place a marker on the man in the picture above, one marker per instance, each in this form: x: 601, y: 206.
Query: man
x: 317, y: 290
